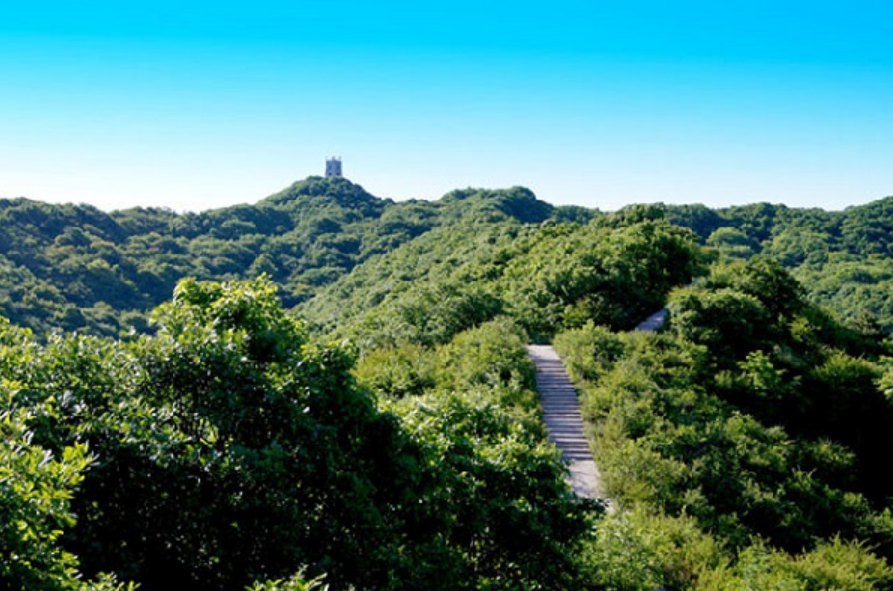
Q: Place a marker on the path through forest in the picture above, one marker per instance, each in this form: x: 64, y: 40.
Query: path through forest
x: 561, y: 413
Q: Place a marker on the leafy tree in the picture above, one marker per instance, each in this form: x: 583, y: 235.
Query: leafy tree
x: 499, y: 502
x: 36, y: 487
x: 229, y: 448
x: 726, y: 321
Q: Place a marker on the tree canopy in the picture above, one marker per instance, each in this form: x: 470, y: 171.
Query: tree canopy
x: 331, y: 390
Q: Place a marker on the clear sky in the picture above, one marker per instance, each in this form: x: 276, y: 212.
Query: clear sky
x: 195, y: 105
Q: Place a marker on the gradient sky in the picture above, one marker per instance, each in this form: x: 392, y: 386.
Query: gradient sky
x: 196, y: 105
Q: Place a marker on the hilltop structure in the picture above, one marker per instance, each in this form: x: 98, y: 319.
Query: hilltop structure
x: 333, y: 167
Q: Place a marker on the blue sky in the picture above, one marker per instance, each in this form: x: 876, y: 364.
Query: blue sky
x: 195, y: 105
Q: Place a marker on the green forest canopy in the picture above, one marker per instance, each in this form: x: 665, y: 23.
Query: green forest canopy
x: 225, y: 441
x: 74, y: 267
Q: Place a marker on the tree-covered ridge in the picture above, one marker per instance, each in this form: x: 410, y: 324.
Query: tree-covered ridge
x: 744, y: 447
x: 844, y: 258
x: 615, y: 269
x: 73, y: 267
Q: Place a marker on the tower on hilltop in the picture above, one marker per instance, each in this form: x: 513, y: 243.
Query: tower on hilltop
x: 333, y: 167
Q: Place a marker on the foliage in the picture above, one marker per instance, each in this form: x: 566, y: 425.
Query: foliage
x: 36, y: 488
x: 221, y: 442
x: 755, y: 419
x: 399, y: 371
x: 493, y: 486
x: 68, y: 267
x: 447, y: 265
x: 843, y: 258
x: 831, y: 565
x: 231, y: 449
x: 500, y: 501
x: 295, y: 583
x: 638, y: 551
x: 544, y: 278
x: 745, y: 446
x: 490, y: 355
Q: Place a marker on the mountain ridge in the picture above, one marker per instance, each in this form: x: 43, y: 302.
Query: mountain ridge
x: 75, y: 267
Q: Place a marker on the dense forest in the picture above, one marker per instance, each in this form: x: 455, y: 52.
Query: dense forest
x: 328, y: 389
x: 74, y: 267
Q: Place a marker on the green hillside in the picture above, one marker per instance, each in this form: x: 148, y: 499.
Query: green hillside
x: 843, y: 258
x: 73, y: 267
x: 338, y: 394
x: 613, y: 270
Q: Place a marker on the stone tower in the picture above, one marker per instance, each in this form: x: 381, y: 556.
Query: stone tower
x: 333, y: 167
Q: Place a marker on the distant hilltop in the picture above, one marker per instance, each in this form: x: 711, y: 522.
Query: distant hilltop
x: 77, y: 268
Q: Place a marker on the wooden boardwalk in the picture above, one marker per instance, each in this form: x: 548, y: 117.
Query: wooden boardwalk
x: 561, y: 413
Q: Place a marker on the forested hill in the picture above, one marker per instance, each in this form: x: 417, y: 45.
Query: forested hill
x: 843, y: 258
x: 235, y: 444
x: 74, y: 267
